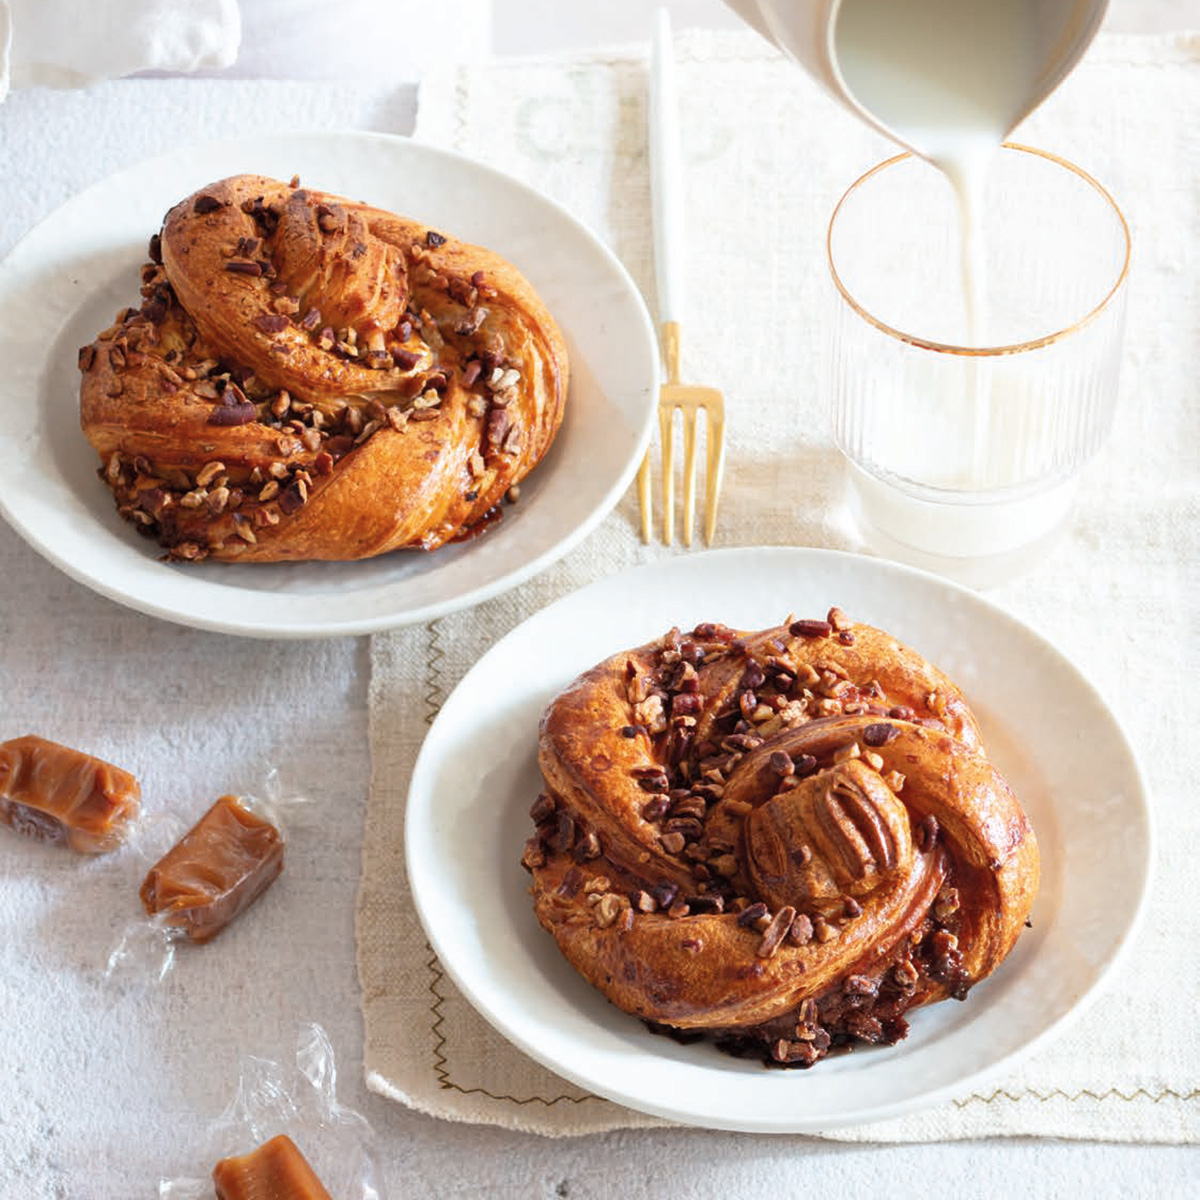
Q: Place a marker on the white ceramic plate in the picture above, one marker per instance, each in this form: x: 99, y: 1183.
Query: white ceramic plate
x: 68, y: 278
x: 1046, y: 728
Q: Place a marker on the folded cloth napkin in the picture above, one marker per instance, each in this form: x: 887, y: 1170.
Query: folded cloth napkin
x: 72, y: 45
x: 58, y: 44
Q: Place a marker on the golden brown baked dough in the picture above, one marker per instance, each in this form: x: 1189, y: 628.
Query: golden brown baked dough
x: 311, y: 378
x: 782, y: 840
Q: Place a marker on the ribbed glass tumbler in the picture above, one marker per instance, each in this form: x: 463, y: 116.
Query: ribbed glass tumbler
x: 975, y: 363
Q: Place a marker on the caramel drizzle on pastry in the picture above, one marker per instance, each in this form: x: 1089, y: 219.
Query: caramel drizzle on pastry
x: 309, y: 377
x: 781, y: 840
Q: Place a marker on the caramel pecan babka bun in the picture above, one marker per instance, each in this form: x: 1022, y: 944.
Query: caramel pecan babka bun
x: 311, y: 378
x: 781, y: 841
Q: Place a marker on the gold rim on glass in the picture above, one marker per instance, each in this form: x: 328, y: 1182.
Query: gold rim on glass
x: 982, y: 351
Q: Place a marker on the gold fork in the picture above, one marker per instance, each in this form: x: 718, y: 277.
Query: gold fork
x: 667, y: 213
x: 691, y: 401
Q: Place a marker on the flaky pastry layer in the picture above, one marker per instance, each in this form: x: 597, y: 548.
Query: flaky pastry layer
x: 781, y: 840
x: 308, y: 377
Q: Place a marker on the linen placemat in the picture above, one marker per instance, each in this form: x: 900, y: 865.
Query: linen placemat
x: 766, y: 156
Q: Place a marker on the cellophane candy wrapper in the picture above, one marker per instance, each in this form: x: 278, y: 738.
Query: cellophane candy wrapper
x: 145, y: 951
x: 300, y: 1101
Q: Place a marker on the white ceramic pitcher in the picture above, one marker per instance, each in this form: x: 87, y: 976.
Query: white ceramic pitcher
x: 906, y: 65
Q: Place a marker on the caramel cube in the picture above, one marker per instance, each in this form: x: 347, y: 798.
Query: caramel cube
x: 56, y: 794
x: 275, y: 1171
x: 215, y: 871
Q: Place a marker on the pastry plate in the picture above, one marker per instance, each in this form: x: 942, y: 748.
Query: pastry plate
x: 70, y: 276
x: 1046, y: 728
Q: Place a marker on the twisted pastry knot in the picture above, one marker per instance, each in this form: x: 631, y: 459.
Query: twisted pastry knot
x: 780, y: 840
x: 309, y: 377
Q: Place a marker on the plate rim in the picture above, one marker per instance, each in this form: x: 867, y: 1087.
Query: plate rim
x: 202, y: 617
x: 426, y: 765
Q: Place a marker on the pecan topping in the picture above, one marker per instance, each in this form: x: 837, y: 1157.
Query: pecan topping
x: 838, y: 619
x: 564, y: 833
x: 800, y: 931
x: 880, y: 734
x: 810, y: 629
x: 782, y: 764
x: 293, y: 497
x: 497, y: 427
x: 775, y: 932
x: 656, y: 809
x: 236, y: 412
x: 652, y: 780
x: 534, y: 856
x: 543, y: 808
x: 404, y: 359
x: 607, y: 910
x: 587, y: 848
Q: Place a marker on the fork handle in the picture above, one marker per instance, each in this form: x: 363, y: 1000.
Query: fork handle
x: 669, y: 339
x: 665, y: 175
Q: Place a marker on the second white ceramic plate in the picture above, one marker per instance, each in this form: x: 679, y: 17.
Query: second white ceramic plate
x: 1046, y: 728
x: 68, y: 278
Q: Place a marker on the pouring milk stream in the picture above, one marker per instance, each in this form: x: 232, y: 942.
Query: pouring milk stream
x: 949, y: 80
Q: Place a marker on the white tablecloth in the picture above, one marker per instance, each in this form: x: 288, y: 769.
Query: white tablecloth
x: 102, y: 1091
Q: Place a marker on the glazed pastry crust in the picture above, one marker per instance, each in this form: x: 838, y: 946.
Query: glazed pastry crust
x: 856, y: 811
x: 361, y: 381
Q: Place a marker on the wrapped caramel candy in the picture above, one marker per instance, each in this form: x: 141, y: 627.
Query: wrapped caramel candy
x: 56, y: 794
x: 215, y: 871
x: 270, y: 1096
x: 275, y: 1171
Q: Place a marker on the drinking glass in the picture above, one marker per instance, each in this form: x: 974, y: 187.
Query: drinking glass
x: 965, y: 432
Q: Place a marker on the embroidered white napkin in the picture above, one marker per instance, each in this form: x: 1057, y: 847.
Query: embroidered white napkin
x: 72, y: 45
x: 766, y: 157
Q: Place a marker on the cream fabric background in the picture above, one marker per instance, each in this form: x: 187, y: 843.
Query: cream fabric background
x: 101, y: 1095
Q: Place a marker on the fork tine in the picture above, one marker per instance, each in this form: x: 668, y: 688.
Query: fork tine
x: 645, y: 503
x: 691, y: 417
x: 715, y: 460
x: 666, y: 419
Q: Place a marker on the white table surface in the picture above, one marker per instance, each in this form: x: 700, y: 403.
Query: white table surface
x: 62, y: 641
